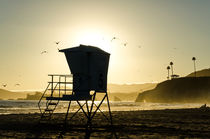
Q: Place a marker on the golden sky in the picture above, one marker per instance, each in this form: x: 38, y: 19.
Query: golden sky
x: 156, y: 32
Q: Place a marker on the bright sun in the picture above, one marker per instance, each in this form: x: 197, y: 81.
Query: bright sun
x: 94, y: 38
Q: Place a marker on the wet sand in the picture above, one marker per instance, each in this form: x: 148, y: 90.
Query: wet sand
x: 178, y: 123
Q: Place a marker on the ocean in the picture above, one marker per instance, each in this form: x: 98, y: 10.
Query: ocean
x: 31, y: 106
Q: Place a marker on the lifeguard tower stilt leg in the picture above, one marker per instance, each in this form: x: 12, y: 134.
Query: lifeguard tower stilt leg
x: 89, y: 112
x: 110, y: 114
x: 67, y: 111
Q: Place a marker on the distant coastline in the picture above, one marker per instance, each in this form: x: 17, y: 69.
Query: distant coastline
x: 125, y: 92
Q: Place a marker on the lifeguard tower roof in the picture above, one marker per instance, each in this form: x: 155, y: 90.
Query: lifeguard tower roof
x: 84, y: 48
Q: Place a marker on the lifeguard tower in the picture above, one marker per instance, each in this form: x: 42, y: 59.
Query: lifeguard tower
x: 89, y: 68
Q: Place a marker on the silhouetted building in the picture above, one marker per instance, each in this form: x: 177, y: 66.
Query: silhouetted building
x: 174, y: 76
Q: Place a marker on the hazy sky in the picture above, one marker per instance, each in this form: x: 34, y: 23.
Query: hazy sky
x: 165, y: 30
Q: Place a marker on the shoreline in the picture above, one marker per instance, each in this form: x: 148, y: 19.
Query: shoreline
x: 193, y: 122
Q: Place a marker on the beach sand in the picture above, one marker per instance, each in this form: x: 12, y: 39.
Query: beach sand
x: 176, y: 123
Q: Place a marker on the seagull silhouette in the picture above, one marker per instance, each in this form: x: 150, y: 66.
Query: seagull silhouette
x: 114, y: 38
x: 57, y: 43
x: 125, y: 44
x: 43, y: 52
x: 17, y: 84
x: 4, y: 85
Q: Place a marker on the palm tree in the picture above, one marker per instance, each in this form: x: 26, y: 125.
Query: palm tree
x: 172, y: 72
x: 193, y: 59
x: 168, y: 68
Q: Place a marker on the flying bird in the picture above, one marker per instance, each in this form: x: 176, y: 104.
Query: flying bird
x: 43, y: 52
x: 4, y: 85
x: 114, y: 38
x: 139, y: 46
x: 57, y: 43
x: 17, y: 84
x: 125, y: 44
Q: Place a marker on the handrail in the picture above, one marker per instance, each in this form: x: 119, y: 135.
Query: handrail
x: 42, y: 97
x: 61, y: 82
x: 44, y: 94
x: 67, y: 75
x: 54, y: 88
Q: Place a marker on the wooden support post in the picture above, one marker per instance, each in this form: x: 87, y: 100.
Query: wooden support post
x: 110, y: 114
x: 65, y: 85
x: 52, y: 86
x: 67, y: 112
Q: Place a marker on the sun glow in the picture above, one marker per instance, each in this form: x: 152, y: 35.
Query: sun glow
x: 94, y: 38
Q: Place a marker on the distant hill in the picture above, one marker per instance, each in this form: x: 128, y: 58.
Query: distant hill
x: 35, y: 96
x: 128, y: 88
x: 117, y: 99
x: 187, y: 89
x: 131, y: 96
x: 200, y: 73
x: 123, y: 92
x: 5, y: 94
x: 128, y: 92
